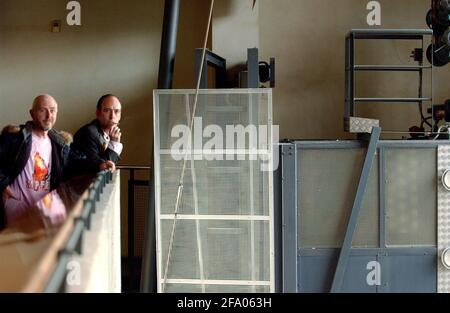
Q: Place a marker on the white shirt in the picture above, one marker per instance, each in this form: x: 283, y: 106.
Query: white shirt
x: 115, y: 146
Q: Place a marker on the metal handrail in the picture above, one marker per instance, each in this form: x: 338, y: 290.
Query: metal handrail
x: 74, y: 242
x: 132, y: 167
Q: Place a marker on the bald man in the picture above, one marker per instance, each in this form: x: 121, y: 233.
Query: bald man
x: 32, y: 159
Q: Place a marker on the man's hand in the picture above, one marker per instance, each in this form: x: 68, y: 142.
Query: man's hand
x: 115, y: 133
x: 107, y: 165
x: 8, y: 193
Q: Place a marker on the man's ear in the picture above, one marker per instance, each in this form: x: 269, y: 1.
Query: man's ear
x: 97, y: 112
x: 31, y: 113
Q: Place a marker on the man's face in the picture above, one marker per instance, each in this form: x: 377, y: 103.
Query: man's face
x: 44, y: 114
x: 109, y: 113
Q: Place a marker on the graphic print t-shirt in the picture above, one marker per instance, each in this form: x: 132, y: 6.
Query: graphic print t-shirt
x: 33, y: 183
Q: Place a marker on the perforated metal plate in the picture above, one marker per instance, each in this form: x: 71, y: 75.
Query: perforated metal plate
x: 443, y: 219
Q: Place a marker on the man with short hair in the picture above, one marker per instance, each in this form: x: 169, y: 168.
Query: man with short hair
x: 99, y: 141
x: 32, y: 159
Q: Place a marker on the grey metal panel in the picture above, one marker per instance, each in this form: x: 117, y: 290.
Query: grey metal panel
x: 355, y: 279
x: 352, y: 221
x: 289, y: 216
x: 253, y: 68
x: 411, y: 251
x: 346, y: 144
x: 402, y: 270
x: 382, y: 196
x: 396, y: 262
x: 316, y: 272
x: 409, y: 273
x: 414, y: 251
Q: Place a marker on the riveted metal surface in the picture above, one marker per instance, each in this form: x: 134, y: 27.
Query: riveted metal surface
x: 443, y: 219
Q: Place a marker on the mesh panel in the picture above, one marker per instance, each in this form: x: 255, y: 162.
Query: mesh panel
x: 176, y: 288
x: 222, y: 230
x: 327, y: 182
x: 411, y: 197
x: 221, y: 187
x: 227, y: 250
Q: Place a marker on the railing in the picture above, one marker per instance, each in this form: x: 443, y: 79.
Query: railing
x: 53, y: 268
x: 136, y: 213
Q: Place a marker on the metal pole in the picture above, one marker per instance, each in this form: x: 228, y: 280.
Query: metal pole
x: 168, y: 44
x: 148, y: 269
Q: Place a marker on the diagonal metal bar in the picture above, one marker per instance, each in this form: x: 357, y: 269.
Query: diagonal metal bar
x: 352, y: 221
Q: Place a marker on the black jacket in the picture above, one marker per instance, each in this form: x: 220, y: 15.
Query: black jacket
x: 89, y: 142
x: 15, y: 149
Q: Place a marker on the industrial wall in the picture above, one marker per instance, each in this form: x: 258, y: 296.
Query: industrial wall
x: 307, y: 39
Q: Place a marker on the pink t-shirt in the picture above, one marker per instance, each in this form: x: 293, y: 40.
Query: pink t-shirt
x: 33, y: 183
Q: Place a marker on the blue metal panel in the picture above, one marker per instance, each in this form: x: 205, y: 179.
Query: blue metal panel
x: 316, y: 272
x: 410, y: 273
x: 355, y: 278
x: 402, y: 270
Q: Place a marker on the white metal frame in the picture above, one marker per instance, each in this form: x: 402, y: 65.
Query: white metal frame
x: 197, y: 217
